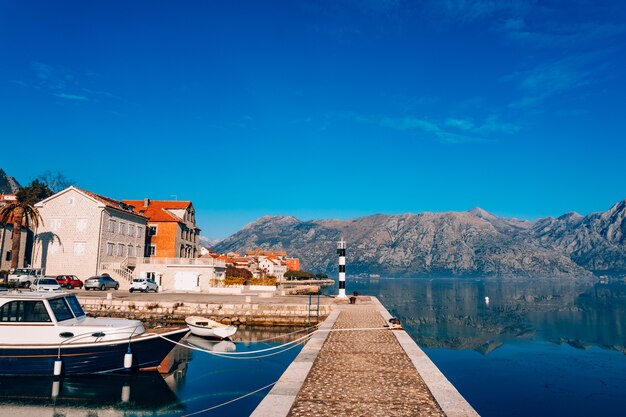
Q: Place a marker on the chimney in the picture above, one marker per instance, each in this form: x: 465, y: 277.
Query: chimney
x: 146, y: 202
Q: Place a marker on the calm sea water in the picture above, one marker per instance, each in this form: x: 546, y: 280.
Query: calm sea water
x: 537, y: 348
x: 195, y: 381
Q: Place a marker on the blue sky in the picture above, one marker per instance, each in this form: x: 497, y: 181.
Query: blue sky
x: 326, y: 109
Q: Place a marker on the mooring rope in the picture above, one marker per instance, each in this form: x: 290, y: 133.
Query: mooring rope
x: 279, y: 336
x: 293, y: 342
x: 229, y: 401
x: 236, y: 353
x: 219, y: 354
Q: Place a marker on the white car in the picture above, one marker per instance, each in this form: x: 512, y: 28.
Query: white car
x: 45, y: 284
x: 143, y: 285
x: 24, y: 277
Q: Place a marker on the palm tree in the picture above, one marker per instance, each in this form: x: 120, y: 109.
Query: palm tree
x: 23, y: 213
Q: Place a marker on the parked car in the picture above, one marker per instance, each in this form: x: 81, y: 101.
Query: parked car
x: 143, y: 285
x: 101, y: 282
x: 23, y: 277
x: 69, y: 281
x: 45, y: 284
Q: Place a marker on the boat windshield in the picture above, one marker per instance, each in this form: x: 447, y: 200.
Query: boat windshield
x: 24, y: 311
x: 60, y: 309
x: 75, y: 306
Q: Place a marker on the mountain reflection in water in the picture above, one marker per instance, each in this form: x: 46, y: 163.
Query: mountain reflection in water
x: 453, y: 313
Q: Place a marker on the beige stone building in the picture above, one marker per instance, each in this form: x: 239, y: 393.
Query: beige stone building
x: 85, y: 234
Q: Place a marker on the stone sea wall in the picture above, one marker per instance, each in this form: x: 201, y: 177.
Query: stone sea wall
x: 176, y: 312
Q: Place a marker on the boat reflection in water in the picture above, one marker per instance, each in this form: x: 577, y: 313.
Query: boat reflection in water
x: 121, y: 394
x: 210, y: 345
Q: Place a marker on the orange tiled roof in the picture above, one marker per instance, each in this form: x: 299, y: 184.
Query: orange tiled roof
x: 157, y: 210
x: 110, y: 202
x: 266, y: 253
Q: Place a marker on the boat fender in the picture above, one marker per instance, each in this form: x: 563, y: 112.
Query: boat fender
x: 125, y: 393
x: 58, y: 365
x: 128, y: 360
x: 56, y: 387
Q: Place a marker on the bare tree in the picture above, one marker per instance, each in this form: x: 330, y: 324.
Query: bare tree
x: 55, y: 181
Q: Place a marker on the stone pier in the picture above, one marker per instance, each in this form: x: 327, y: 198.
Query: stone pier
x: 377, y: 372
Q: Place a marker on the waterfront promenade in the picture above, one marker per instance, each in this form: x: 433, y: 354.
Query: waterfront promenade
x: 252, y: 308
x: 346, y: 369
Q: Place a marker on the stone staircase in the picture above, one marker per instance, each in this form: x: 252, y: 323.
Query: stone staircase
x: 119, y: 272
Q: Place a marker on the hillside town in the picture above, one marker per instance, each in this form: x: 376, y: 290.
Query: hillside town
x: 85, y: 234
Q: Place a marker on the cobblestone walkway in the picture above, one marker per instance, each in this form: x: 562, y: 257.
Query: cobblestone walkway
x: 363, y: 373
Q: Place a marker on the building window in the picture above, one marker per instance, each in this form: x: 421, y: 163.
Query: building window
x: 79, y: 248
x: 151, y: 250
x: 120, y: 249
x: 138, y: 251
x: 8, y: 257
x: 71, y: 201
x: 110, y: 249
x: 81, y: 225
x: 152, y: 230
x: 131, y: 230
x: 122, y: 228
x: 111, y: 226
x: 138, y: 231
x: 55, y: 224
x: 131, y: 251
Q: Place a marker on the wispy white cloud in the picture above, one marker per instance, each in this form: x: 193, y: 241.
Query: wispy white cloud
x: 410, y: 123
x: 555, y: 77
x: 71, y: 97
x: 551, y: 33
x: 461, y: 124
x: 62, y: 83
x: 453, y: 130
x: 471, y: 10
x: 493, y: 124
x: 490, y: 125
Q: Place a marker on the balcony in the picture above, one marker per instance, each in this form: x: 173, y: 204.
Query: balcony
x: 217, y: 263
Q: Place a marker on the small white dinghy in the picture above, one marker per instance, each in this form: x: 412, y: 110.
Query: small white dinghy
x: 201, y: 326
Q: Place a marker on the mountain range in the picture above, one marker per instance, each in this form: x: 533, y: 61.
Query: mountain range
x: 470, y: 243
x: 8, y: 185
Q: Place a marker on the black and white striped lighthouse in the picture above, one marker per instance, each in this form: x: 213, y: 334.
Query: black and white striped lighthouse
x: 341, y: 251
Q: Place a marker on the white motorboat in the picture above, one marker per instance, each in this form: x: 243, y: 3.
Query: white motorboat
x: 50, y: 334
x: 201, y: 326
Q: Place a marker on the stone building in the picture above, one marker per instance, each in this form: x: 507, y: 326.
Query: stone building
x: 85, y: 234
x: 172, y: 230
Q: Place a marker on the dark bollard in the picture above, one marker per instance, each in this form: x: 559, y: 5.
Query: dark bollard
x: 352, y: 300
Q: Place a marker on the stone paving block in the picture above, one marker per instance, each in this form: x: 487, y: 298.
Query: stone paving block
x: 370, y: 362
x: 359, y: 409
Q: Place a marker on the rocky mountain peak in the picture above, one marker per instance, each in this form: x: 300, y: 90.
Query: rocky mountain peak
x: 571, y: 216
x: 8, y: 185
x: 481, y: 213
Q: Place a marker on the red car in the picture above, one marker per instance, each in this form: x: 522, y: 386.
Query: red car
x: 69, y: 281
